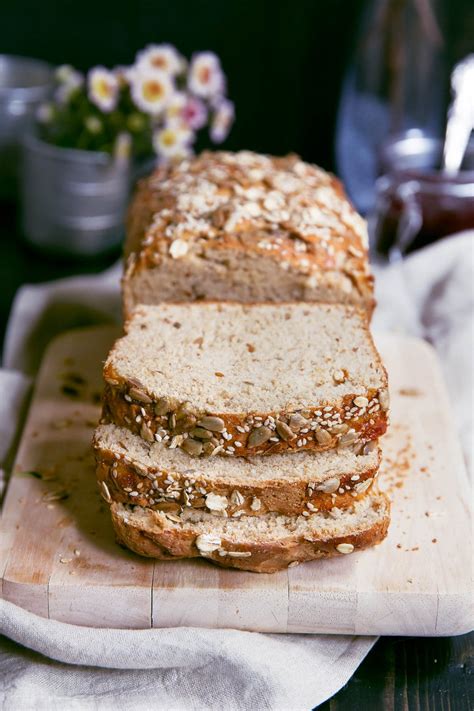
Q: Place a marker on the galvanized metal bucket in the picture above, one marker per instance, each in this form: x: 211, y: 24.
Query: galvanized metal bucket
x: 74, y: 201
x: 24, y: 84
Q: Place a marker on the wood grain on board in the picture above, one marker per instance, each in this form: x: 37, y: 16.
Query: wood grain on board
x: 58, y: 557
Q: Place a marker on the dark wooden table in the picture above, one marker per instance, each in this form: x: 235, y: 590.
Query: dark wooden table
x: 416, y: 674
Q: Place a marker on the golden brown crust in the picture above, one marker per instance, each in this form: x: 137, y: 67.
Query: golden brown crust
x: 279, y: 209
x: 348, y: 421
x: 270, y: 557
x: 172, y: 491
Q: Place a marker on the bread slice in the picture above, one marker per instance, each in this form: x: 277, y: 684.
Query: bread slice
x: 133, y: 471
x: 241, y: 380
x: 263, y: 544
x: 244, y: 227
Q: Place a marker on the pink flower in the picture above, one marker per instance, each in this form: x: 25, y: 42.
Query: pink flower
x: 194, y: 113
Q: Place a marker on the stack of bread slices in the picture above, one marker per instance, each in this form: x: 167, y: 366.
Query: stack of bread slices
x: 243, y: 406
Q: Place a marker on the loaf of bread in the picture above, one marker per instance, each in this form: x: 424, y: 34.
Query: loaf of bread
x: 133, y: 471
x: 240, y: 380
x: 263, y: 544
x: 244, y: 227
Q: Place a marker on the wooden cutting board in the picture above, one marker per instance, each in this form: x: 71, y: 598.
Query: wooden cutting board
x: 58, y: 557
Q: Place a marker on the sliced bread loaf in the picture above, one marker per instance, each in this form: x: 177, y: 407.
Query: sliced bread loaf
x: 240, y: 380
x: 245, y: 227
x: 133, y: 471
x: 263, y: 544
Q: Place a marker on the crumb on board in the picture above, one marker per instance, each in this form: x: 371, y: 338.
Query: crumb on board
x: 410, y: 392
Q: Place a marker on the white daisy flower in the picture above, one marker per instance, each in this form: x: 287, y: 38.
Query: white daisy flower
x: 206, y: 78
x: 103, y: 88
x: 222, y: 121
x: 173, y: 142
x: 151, y: 91
x: 162, y: 57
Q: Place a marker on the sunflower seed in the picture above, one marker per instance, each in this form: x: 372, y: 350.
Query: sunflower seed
x: 146, y: 433
x: 140, y: 395
x: 323, y: 436
x: 133, y: 383
x: 297, y: 422
x: 163, y: 406
x: 192, y: 447
x: 185, y: 420
x: 200, y: 433
x: 259, y: 436
x: 214, y: 424
x: 285, y: 432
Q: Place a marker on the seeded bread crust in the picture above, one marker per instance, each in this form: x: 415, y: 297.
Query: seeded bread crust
x: 125, y: 480
x: 326, y: 426
x: 156, y: 536
x: 244, y: 227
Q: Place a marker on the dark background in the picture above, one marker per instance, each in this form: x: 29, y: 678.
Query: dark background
x: 284, y: 59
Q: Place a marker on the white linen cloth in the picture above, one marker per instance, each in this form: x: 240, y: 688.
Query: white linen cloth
x: 431, y: 295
